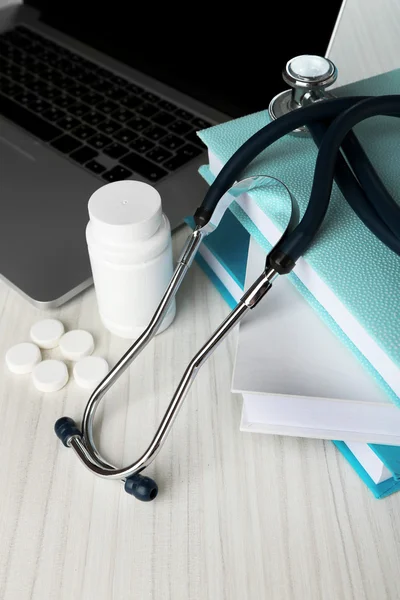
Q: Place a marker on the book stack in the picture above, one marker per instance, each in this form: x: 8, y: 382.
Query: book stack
x: 320, y: 355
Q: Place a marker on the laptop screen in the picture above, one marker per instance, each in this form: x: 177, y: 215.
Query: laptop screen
x: 230, y: 59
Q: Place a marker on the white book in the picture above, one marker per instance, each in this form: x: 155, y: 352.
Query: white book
x: 363, y: 453
x: 298, y: 379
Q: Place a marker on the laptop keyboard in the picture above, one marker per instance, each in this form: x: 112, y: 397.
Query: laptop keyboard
x: 101, y: 121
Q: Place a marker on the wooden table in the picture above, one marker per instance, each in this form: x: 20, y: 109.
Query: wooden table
x: 239, y: 516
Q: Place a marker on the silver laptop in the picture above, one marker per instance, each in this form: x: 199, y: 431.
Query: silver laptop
x: 92, y: 93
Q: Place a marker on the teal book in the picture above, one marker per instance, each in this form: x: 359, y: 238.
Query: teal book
x: 385, y: 459
x: 349, y: 277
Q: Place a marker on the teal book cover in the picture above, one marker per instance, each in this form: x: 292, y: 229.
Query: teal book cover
x: 390, y: 457
x: 350, y: 278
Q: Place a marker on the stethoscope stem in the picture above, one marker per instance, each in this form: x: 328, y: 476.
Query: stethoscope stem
x: 183, y: 265
x: 84, y: 449
x: 82, y: 442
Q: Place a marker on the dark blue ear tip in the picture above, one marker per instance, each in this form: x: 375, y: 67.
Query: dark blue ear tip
x: 143, y: 488
x: 65, y: 428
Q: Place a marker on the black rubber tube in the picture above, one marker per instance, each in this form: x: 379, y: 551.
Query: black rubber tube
x: 266, y: 136
x: 375, y: 208
x: 357, y: 197
x: 379, y: 196
x: 297, y: 243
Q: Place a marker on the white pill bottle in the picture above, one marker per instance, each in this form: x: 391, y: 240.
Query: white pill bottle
x: 130, y: 250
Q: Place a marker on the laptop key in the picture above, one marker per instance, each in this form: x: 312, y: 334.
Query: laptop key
x: 29, y: 121
x: 67, y: 123
x: 138, y: 123
x: 77, y: 90
x: 163, y: 118
x: 130, y: 101
x: 118, y: 173
x: 99, y: 141
x: 126, y: 136
x: 134, y: 89
x: 53, y: 114
x: 95, y: 166
x: 159, y: 155
x: 28, y: 79
x: 184, y: 114
x: 122, y: 115
x: 107, y: 106
x: 78, y: 109
x: 10, y: 88
x: 73, y: 69
x: 93, y: 117
x: 60, y: 80
x: 84, y: 154
x: 146, y: 110
x: 102, y: 73
x: 66, y: 144
x: 143, y: 167
x: 26, y: 98
x: 180, y: 127
x: 168, y: 106
x: 141, y: 145
x: 39, y: 105
x: 101, y: 85
x: 11, y: 70
x: 115, y: 93
x: 63, y: 101
x: 115, y: 150
x: 118, y: 80
x: 37, y: 67
x: 155, y: 133
x: 49, y: 92
x: 171, y: 142
x: 38, y: 86
x: 109, y: 127
x: 92, y: 98
x: 182, y: 156
x: 150, y: 97
x: 83, y: 132
x: 85, y: 77
x: 200, y: 123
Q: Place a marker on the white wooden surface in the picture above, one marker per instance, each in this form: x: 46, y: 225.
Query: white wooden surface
x: 239, y: 516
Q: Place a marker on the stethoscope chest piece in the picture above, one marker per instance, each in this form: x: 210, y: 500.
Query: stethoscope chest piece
x: 308, y: 77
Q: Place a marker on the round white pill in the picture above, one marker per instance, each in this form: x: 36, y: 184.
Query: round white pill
x: 76, y: 344
x: 23, y: 357
x: 47, y: 333
x: 50, y: 375
x: 89, y: 371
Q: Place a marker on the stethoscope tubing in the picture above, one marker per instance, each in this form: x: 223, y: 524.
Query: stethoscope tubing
x: 345, y: 113
x: 360, y: 199
x: 324, y: 171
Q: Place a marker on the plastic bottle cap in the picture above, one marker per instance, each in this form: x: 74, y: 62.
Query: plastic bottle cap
x: 50, y: 375
x: 125, y: 211
x: 47, y: 333
x: 89, y: 371
x: 22, y: 358
x: 76, y: 344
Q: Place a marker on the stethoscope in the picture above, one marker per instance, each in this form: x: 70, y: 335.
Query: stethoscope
x: 340, y: 156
